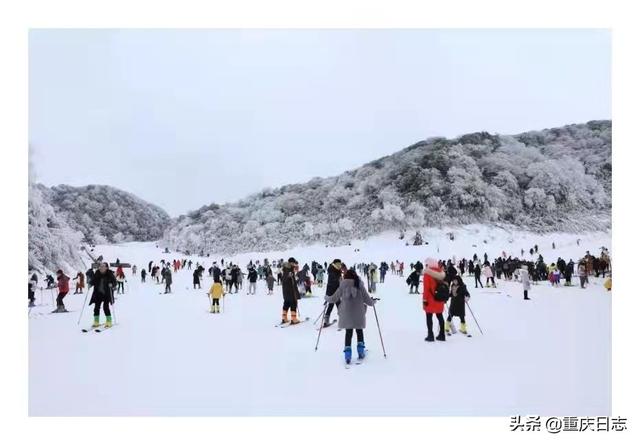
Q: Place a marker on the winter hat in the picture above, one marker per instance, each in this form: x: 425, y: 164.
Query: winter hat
x: 292, y: 260
x: 431, y: 262
x: 337, y: 261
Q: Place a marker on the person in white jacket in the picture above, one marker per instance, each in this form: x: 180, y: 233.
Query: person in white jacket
x: 488, y: 273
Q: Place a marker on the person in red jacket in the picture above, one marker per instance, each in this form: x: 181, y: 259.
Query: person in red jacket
x: 63, y: 290
x: 432, y: 275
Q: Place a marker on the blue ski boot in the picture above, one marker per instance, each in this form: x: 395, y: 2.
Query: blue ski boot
x: 347, y: 354
x: 361, y: 352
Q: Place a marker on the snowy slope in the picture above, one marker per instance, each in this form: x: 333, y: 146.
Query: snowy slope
x: 169, y: 356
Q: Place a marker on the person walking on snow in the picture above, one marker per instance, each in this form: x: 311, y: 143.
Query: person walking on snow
x: 253, y: 278
x: 488, y: 273
x: 103, y: 282
x: 353, y: 300
x: 168, y: 280
x: 270, y: 281
x: 477, y: 272
x: 143, y: 275
x: 120, y: 278
x: 433, y: 275
x: 79, y: 283
x: 196, y: 279
x: 526, y: 285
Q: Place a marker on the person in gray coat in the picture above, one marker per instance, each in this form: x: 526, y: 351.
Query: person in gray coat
x: 354, y: 299
x: 526, y: 285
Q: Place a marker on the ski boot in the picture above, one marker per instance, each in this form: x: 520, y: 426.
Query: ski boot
x: 96, y: 322
x: 463, y: 328
x: 285, y: 317
x: 429, y: 336
x: 447, y: 327
x: 347, y: 354
x: 441, y: 336
x: 361, y: 350
x: 108, y: 323
x: 32, y: 304
x: 326, y: 322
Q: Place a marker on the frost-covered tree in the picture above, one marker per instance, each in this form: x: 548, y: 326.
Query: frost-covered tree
x: 551, y: 179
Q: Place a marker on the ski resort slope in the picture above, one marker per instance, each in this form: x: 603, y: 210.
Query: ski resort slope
x: 168, y: 356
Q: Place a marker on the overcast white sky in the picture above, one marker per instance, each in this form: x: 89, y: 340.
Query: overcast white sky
x: 183, y: 118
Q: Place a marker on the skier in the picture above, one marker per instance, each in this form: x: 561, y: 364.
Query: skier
x: 433, y: 279
x: 143, y: 275
x: 103, y: 282
x: 290, y: 293
x: 63, y: 290
x: 334, y: 273
x: 134, y: 269
x: 353, y: 300
x: 459, y: 296
x: 216, y: 292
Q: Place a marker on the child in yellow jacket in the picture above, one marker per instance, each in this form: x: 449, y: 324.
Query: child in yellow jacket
x: 216, y: 292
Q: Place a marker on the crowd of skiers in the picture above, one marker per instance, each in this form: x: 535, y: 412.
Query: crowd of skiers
x: 348, y: 289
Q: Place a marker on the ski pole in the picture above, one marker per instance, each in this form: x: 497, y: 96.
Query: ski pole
x: 83, y: 305
x: 379, y: 331
x: 321, y: 313
x: 474, y: 317
x: 320, y: 330
x: 112, y: 307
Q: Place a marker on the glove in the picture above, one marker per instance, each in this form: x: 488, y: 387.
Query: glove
x: 466, y: 299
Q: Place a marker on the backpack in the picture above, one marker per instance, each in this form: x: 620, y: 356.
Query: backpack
x: 442, y: 292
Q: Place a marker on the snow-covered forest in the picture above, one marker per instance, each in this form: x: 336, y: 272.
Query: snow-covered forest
x: 550, y: 180
x: 61, y: 218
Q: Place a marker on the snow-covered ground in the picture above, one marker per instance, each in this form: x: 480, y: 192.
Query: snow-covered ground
x: 168, y: 355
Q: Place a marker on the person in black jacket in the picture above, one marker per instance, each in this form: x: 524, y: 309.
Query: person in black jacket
x: 413, y: 280
x: 196, y: 279
x: 476, y: 272
x: 290, y: 293
x: 253, y: 278
x: 103, y: 282
x: 216, y: 273
x: 459, y: 296
x: 334, y: 275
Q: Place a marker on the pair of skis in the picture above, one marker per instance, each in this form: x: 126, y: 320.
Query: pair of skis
x: 358, y: 361
x: 288, y: 324
x: 100, y: 328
